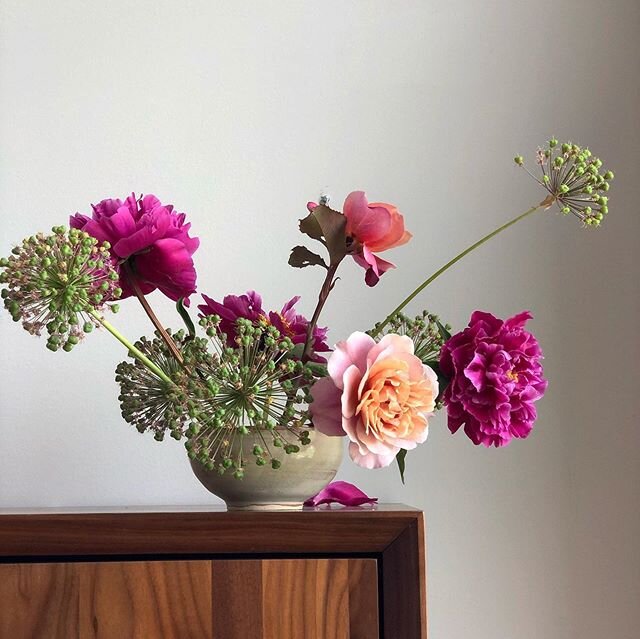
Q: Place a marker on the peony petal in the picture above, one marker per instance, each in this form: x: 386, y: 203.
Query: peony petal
x: 432, y: 377
x: 351, y: 351
x: 168, y: 266
x: 151, y: 230
x: 390, y: 345
x: 325, y: 409
x: 106, y: 208
x: 121, y: 224
x: 519, y: 320
x: 370, y: 460
x: 351, y: 380
x: 93, y: 228
x: 370, y: 443
x: 340, y: 492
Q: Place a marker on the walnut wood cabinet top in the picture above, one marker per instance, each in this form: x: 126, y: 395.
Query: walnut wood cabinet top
x: 168, y: 531
x: 113, y: 543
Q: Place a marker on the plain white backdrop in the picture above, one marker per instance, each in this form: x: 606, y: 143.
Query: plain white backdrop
x: 240, y: 112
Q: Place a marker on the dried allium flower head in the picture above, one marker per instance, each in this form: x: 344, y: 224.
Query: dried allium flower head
x: 147, y: 401
x: 574, y: 178
x: 59, y: 282
x: 222, y: 395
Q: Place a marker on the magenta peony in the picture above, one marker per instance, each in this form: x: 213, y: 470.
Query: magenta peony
x: 249, y: 306
x: 496, y: 376
x: 378, y: 394
x: 149, y: 242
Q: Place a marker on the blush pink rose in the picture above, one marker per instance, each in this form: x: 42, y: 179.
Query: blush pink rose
x: 374, y: 228
x: 380, y: 395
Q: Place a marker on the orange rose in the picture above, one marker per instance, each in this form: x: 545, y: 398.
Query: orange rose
x: 374, y: 228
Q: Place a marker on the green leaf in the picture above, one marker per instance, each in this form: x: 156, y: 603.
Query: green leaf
x: 295, y: 352
x: 329, y: 227
x: 301, y: 256
x: 185, y: 317
x: 445, y: 334
x: 319, y: 370
x: 400, y: 458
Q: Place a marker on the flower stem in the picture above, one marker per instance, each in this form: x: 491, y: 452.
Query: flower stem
x: 327, y: 285
x: 172, y: 346
x: 450, y: 263
x: 132, y: 349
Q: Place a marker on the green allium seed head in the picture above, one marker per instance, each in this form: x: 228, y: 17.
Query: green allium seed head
x: 224, y: 400
x: 573, y: 178
x: 425, y: 330
x: 55, y: 281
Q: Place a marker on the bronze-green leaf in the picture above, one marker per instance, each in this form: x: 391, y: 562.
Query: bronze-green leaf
x: 301, y: 256
x: 327, y: 226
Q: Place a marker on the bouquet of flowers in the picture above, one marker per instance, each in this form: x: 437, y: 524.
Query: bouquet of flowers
x: 271, y: 376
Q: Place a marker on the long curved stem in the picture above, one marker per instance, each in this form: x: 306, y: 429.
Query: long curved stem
x: 168, y: 340
x: 450, y: 263
x: 130, y: 347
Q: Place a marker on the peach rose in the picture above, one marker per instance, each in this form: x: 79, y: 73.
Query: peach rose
x: 379, y: 395
x: 374, y: 227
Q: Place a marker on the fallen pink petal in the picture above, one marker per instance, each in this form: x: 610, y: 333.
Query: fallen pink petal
x: 341, y: 492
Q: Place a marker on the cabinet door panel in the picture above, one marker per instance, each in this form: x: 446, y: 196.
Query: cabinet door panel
x: 38, y: 600
x: 140, y: 600
x: 295, y: 599
x: 110, y: 600
x: 222, y: 599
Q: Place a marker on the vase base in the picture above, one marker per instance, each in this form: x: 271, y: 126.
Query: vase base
x: 293, y: 505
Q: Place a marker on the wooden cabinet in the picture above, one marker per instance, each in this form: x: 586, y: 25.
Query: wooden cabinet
x: 194, y: 574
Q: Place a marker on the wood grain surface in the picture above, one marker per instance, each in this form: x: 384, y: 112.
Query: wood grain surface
x: 223, y: 599
x: 296, y: 599
x: 191, y: 574
x: 116, y: 600
x: 322, y: 530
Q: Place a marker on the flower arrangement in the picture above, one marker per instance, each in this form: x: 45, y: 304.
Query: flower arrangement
x: 243, y: 373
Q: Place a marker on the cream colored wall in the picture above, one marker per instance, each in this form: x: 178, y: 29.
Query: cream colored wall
x: 239, y: 112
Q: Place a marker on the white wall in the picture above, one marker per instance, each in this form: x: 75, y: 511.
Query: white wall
x: 239, y: 113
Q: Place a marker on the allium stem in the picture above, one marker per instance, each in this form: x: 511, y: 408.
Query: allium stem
x: 132, y: 349
x: 450, y: 263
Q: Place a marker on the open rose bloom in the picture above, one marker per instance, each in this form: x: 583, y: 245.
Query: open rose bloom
x: 370, y: 229
x: 374, y: 228
x: 380, y: 395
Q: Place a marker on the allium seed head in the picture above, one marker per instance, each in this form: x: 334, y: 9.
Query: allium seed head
x: 54, y: 281
x: 223, y: 395
x: 573, y: 178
